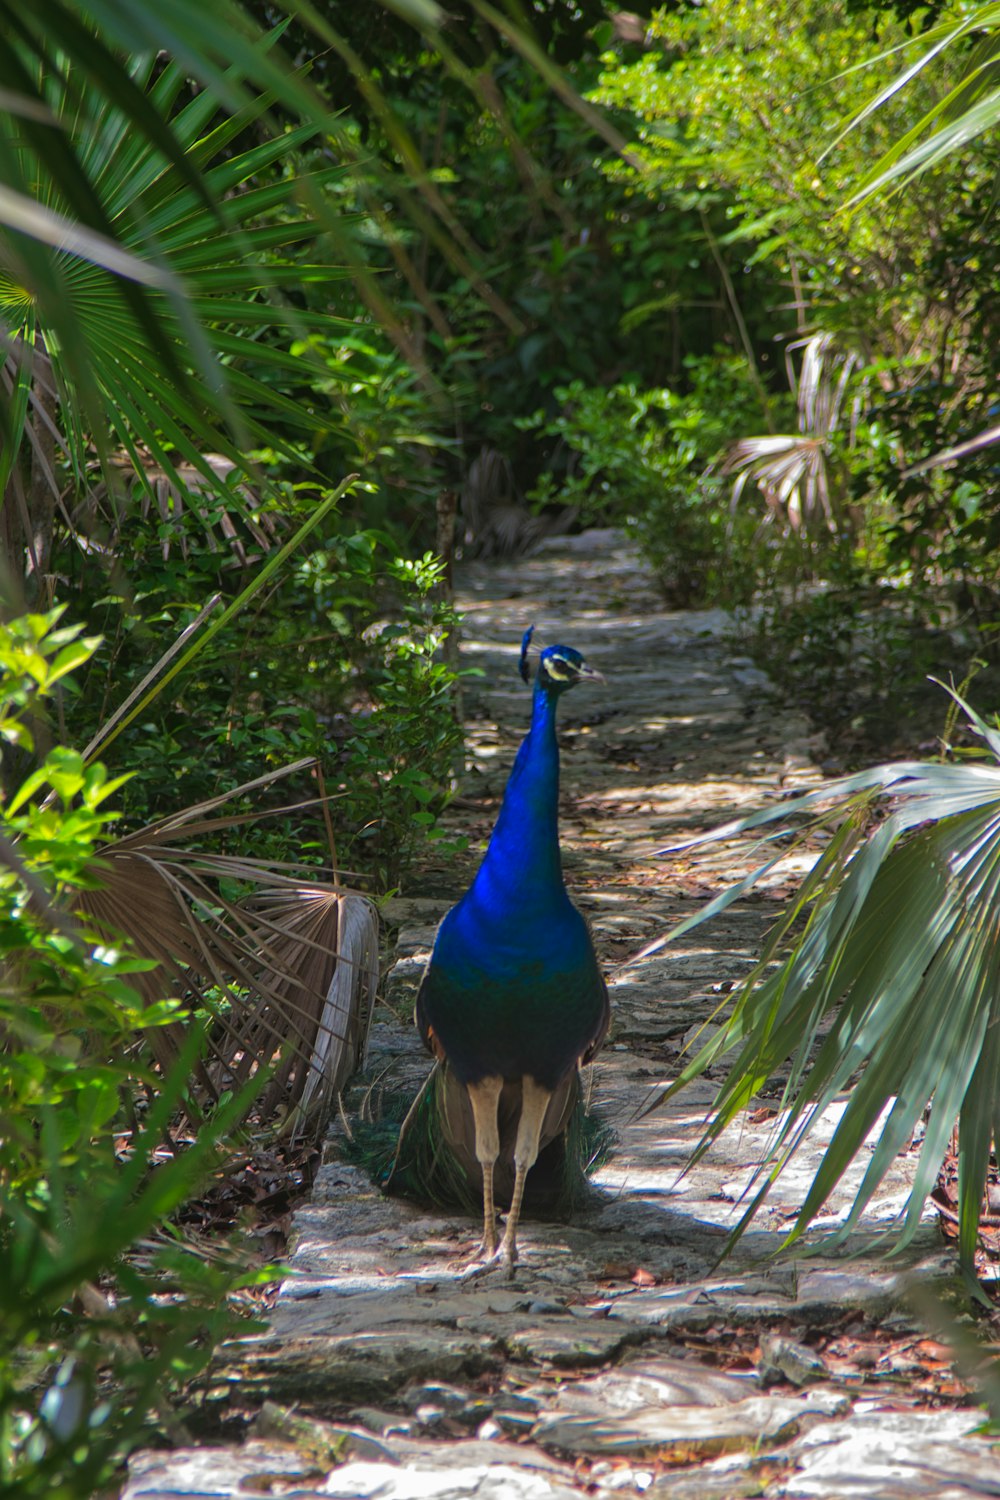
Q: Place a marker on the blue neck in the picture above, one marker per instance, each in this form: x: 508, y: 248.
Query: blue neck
x: 522, y: 868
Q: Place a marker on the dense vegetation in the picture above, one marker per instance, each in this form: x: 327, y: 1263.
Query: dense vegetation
x: 261, y: 320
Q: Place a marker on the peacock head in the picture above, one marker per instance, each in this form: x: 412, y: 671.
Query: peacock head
x: 559, y: 667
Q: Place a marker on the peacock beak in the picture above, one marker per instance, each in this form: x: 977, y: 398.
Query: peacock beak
x: 591, y: 674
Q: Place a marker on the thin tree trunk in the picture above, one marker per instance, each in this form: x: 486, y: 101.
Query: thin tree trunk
x: 42, y: 487
x: 447, y: 506
x: 27, y: 518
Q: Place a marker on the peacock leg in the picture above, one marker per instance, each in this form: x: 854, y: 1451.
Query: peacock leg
x: 534, y: 1103
x: 484, y: 1097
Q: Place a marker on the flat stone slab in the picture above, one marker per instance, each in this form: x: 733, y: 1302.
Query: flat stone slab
x: 895, y: 1456
x: 677, y: 1412
x: 394, y: 1471
x: 627, y: 1356
x: 690, y: 1433
x: 869, y: 1455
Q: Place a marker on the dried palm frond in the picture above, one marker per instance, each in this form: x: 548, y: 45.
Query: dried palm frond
x: 288, y: 972
x: 791, y: 472
x: 183, y: 499
x: 301, y: 923
x: 797, y: 473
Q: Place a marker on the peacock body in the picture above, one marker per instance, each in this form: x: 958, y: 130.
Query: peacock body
x: 513, y: 1000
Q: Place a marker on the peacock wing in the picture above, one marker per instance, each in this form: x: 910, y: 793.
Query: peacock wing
x: 596, y: 1042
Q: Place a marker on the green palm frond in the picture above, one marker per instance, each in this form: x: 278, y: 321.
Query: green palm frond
x: 223, y: 225
x: 218, y: 44
x: 880, y: 985
x: 964, y: 110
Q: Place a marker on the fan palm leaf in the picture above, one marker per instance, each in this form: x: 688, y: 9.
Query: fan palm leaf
x: 798, y: 473
x: 288, y: 973
x: 889, y: 995
x: 226, y: 234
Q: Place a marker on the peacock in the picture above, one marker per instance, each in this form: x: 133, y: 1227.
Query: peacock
x: 512, y: 1001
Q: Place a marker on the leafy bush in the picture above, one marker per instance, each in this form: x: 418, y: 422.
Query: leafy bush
x: 375, y: 413
x: 106, y: 1315
x: 398, y: 760
x: 942, y: 523
x: 649, y: 460
x: 339, y: 660
x: 855, y: 653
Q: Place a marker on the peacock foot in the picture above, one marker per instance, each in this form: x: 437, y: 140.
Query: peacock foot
x: 499, y: 1260
x: 481, y: 1266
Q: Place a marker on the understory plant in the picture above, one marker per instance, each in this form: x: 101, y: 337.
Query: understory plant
x: 398, y: 760
x: 107, y: 1314
x: 650, y: 460
x: 880, y: 985
x: 329, y: 659
x: 854, y: 651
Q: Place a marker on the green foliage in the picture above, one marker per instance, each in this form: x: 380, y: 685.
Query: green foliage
x: 941, y: 523
x: 887, y: 968
x: 855, y: 654
x: 35, y: 654
x: 330, y: 653
x: 565, y: 276
x: 649, y: 460
x: 374, y: 414
x: 233, y: 240
x: 959, y: 114
x: 93, y: 240
x: 98, y: 1342
x: 397, y: 762
x: 895, y: 321
x: 727, y: 112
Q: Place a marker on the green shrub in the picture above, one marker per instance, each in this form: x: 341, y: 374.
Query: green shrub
x: 106, y: 1314
x: 649, y: 460
x: 339, y: 660
x: 397, y: 763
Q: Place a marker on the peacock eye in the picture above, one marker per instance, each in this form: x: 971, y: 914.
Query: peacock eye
x: 558, y: 668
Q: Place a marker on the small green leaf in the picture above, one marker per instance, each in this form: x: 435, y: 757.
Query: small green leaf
x: 71, y: 657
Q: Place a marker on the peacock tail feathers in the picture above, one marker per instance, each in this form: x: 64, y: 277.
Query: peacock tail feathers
x: 435, y: 1161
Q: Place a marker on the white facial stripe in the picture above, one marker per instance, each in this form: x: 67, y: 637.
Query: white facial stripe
x: 559, y: 668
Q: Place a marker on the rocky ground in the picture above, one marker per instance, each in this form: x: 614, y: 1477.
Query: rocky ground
x: 624, y: 1358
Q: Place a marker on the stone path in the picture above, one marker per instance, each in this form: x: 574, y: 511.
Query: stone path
x: 624, y: 1358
